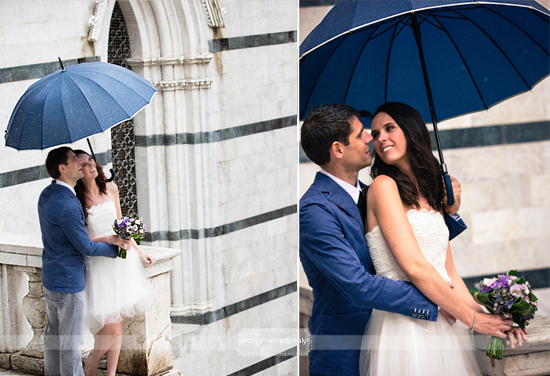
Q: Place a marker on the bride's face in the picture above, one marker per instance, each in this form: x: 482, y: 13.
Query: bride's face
x: 88, y: 166
x: 390, y: 143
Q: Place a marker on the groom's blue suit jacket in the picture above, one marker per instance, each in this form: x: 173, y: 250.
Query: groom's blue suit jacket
x: 336, y: 260
x: 65, y: 240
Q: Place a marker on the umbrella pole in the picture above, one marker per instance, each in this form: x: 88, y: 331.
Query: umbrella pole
x: 91, y: 150
x: 93, y: 156
x: 446, y: 177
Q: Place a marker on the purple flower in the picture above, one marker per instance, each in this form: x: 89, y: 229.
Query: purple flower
x: 504, y: 282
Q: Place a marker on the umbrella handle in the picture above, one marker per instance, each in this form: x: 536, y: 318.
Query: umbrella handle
x: 112, y: 175
x: 449, y: 189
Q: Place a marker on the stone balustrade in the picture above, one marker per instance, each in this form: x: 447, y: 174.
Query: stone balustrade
x: 532, y: 358
x: 147, y: 341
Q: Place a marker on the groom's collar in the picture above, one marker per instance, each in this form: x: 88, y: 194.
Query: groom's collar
x: 65, y: 185
x: 353, y: 191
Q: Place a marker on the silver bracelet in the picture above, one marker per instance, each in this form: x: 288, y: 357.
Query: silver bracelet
x: 473, y: 326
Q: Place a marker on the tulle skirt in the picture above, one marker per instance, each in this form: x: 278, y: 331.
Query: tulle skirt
x: 115, y: 288
x: 396, y: 345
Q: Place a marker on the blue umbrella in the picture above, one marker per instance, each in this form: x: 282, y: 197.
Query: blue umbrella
x: 444, y: 58
x: 73, y: 103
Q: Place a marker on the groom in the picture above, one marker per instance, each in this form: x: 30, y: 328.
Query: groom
x: 66, y: 242
x: 333, y: 251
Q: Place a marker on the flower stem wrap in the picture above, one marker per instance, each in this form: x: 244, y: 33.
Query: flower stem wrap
x: 495, y: 348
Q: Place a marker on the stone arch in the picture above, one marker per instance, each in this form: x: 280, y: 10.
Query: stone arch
x: 169, y: 44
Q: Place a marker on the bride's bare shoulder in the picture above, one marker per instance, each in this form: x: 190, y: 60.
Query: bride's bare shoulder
x: 382, y: 184
x: 112, y: 189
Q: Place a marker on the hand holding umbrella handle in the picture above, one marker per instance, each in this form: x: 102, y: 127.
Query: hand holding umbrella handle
x: 449, y: 189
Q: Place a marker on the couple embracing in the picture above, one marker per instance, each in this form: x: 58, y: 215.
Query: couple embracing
x: 85, y: 284
x: 387, y: 296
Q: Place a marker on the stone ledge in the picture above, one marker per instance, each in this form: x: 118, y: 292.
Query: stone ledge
x: 26, y: 250
x: 181, y: 329
x: 538, y: 339
x: 533, y: 358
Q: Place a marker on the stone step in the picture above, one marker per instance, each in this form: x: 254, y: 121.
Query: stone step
x: 7, y: 372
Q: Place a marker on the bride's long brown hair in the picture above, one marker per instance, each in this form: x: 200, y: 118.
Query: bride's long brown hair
x: 80, y: 188
x: 424, y: 165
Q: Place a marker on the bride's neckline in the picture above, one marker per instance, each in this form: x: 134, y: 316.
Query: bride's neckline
x: 101, y: 203
x: 423, y: 210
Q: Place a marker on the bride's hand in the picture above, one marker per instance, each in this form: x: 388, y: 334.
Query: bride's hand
x: 492, y: 325
x: 115, y: 240
x: 147, y: 258
x: 519, y: 333
x: 450, y: 318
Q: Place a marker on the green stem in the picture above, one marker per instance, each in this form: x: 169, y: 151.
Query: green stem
x: 495, y: 349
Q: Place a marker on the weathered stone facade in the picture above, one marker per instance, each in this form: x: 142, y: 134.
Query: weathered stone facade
x: 215, y: 153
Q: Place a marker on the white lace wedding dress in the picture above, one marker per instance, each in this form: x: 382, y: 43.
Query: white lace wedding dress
x: 398, y: 345
x: 114, y: 287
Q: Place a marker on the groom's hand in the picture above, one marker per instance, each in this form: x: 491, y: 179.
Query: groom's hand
x: 492, y: 325
x: 115, y: 240
x: 452, y: 210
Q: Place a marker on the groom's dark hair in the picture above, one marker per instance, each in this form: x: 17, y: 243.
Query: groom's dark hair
x: 323, y: 126
x: 55, y: 158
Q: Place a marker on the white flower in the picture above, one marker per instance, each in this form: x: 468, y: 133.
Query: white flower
x: 489, y: 281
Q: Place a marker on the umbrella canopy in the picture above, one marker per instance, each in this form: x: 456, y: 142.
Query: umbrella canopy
x: 477, y: 53
x: 73, y: 103
x: 444, y: 58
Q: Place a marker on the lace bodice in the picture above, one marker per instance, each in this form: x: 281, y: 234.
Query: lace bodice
x: 431, y: 234
x: 100, y: 219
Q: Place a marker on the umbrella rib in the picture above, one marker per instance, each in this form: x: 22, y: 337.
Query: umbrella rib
x: 425, y: 18
x: 113, y: 78
x: 462, y: 58
x: 106, y: 92
x: 497, y: 46
x: 520, y: 29
x: 320, y: 73
x: 87, y: 102
x: 66, y: 123
x: 388, y: 64
x: 359, y: 57
x: 117, y: 80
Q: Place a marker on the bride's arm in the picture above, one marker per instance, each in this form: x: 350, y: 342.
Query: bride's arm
x: 459, y: 286
x: 113, y: 193
x: 384, y: 201
x: 145, y: 257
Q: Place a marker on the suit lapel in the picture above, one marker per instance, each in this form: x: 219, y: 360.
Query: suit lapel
x: 339, y: 197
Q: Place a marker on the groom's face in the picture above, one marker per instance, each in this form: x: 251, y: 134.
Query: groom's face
x: 73, y: 168
x: 357, y: 154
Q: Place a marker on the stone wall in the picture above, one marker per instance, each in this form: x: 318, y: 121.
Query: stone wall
x: 215, y: 151
x: 505, y: 199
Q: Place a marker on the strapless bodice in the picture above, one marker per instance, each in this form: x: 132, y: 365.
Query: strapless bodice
x: 100, y: 219
x: 431, y: 234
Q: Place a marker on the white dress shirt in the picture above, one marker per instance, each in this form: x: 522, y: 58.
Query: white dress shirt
x: 353, y: 191
x: 65, y: 185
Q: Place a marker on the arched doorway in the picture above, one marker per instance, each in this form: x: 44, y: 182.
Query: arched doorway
x: 122, y: 136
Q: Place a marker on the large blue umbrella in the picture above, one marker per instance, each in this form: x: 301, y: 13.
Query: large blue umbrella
x: 74, y: 103
x: 444, y: 58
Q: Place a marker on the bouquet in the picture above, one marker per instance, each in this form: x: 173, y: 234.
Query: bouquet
x: 509, y: 295
x: 129, y: 227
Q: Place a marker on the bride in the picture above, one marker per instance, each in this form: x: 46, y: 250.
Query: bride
x: 114, y: 287
x: 408, y: 240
